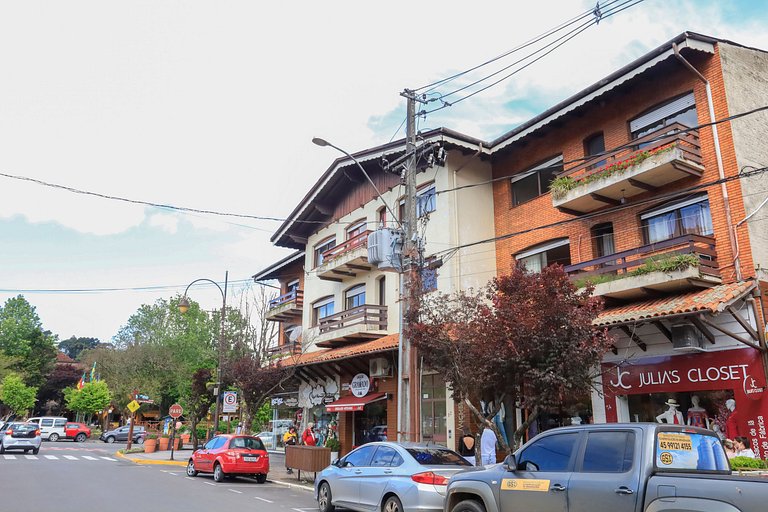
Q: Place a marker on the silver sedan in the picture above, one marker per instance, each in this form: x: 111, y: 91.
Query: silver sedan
x: 21, y: 436
x: 391, y: 477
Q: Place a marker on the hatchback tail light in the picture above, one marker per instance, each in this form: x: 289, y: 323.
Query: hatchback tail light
x: 429, y: 477
x: 37, y: 433
x: 9, y: 432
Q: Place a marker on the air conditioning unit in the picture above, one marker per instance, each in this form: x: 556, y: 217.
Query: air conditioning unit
x: 379, y: 367
x: 686, y: 338
x: 385, y: 248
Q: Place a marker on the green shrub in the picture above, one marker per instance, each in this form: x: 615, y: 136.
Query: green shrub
x: 666, y: 264
x: 333, y: 444
x: 748, y: 463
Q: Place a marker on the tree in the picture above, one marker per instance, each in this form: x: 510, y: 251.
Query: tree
x: 22, y: 337
x: 199, y: 400
x: 17, y: 396
x: 74, y: 345
x: 93, y: 397
x: 256, y: 381
x: 51, y: 393
x: 526, y: 336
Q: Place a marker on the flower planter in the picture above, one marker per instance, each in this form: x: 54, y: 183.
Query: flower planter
x: 177, y: 443
x: 163, y: 443
x: 185, y: 439
x: 150, y: 445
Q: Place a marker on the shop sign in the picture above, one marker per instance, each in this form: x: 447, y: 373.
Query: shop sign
x: 360, y: 385
x: 288, y: 401
x: 291, y: 402
x: 329, y: 399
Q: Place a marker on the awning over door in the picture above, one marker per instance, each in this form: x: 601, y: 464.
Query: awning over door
x: 353, y: 403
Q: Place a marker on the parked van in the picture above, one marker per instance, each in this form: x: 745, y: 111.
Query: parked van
x: 52, y: 428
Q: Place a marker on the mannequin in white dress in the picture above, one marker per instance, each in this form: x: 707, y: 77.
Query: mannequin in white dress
x: 672, y: 415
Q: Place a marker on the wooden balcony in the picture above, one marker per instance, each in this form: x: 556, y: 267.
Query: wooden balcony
x: 680, y: 263
x: 286, y: 307
x: 619, y: 175
x: 288, y: 348
x: 346, y: 260
x: 364, y: 322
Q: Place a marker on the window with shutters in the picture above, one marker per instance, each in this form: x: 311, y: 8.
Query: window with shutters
x: 534, y: 182
x: 549, y: 253
x: 677, y: 110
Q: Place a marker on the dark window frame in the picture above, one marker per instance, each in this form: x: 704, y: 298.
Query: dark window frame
x: 355, y: 288
x: 322, y: 246
x: 676, y: 207
x: 548, y: 166
x: 320, y: 303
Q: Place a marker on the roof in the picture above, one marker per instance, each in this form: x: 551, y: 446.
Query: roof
x: 710, y: 300
x: 388, y: 342
x: 273, y: 271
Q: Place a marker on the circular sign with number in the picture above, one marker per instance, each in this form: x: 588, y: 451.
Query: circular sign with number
x: 360, y: 385
x: 175, y: 411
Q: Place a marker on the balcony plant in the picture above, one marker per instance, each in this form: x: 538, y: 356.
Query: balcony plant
x: 661, y: 263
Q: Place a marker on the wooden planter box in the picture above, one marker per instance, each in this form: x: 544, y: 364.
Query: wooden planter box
x: 307, y: 458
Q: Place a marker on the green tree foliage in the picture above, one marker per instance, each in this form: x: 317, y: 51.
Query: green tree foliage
x: 93, y: 397
x: 22, y: 337
x: 74, y: 345
x: 50, y: 398
x: 199, y: 399
x: 17, y: 396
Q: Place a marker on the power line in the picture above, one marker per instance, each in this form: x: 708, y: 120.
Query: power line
x: 76, y: 291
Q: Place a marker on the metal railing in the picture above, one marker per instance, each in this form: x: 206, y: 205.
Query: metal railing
x: 360, y: 240
x: 367, y: 314
x: 295, y: 295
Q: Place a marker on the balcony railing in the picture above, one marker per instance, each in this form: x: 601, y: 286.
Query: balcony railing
x: 367, y: 316
x: 644, y: 166
x: 286, y: 307
x: 353, y: 243
x: 680, y: 254
x: 291, y: 347
x: 345, y: 260
x: 294, y: 295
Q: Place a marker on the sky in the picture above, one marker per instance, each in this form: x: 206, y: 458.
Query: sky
x: 213, y: 105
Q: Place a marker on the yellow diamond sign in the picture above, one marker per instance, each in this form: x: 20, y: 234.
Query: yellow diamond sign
x: 133, y: 406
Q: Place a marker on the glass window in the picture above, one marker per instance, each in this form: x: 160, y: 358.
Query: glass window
x: 677, y: 110
x: 210, y: 444
x: 437, y: 457
x: 360, y: 457
x: 59, y: 423
x: 247, y: 443
x: 543, y: 255
x: 219, y: 442
x: 688, y: 217
x: 595, y: 145
x: 46, y: 422
x: 382, y: 216
x: 690, y: 451
x: 609, y: 452
x: 401, y: 210
x: 356, y: 229
x: 322, y: 309
x: 356, y: 296
x: 550, y: 453
x: 321, y: 248
x: 292, y: 286
x: 535, y: 182
x: 384, y: 456
x: 425, y: 201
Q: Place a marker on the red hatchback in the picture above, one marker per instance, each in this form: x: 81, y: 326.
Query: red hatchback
x: 77, y: 431
x: 228, y: 455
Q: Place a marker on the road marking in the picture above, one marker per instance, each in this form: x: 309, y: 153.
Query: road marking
x: 88, y: 457
x: 262, y: 499
x: 51, y: 457
x: 70, y: 457
x: 172, y: 474
x: 232, y: 490
x: 31, y: 457
x: 107, y: 458
x: 10, y: 457
x: 209, y: 483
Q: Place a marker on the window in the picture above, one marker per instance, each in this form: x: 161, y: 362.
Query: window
x: 609, y: 452
x: 433, y: 410
x: 426, y: 201
x: 595, y: 145
x: 401, y: 210
x: 602, y: 234
x: 360, y: 457
x: 534, y: 182
x: 437, y: 457
x: 677, y: 219
x: 550, y: 453
x: 322, y: 309
x: 384, y: 457
x: 543, y: 255
x: 382, y: 291
x: 381, y: 215
x: 321, y: 248
x: 356, y: 296
x: 677, y: 110
x: 46, y: 422
x: 249, y: 443
x: 59, y: 422
x: 356, y: 229
x: 292, y: 286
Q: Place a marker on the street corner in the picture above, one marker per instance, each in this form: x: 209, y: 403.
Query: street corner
x: 146, y: 461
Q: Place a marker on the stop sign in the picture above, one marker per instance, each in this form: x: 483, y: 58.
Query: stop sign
x: 175, y: 411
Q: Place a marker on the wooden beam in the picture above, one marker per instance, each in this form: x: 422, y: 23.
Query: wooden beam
x: 631, y: 335
x: 735, y: 314
x: 343, y: 273
x: 663, y: 330
x: 569, y: 211
x: 335, y: 279
x: 604, y: 199
x: 731, y: 334
x: 639, y: 184
x: 706, y: 332
x: 359, y: 267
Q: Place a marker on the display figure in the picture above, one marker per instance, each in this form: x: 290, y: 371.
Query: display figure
x: 672, y: 415
x: 732, y: 428
x: 697, y: 415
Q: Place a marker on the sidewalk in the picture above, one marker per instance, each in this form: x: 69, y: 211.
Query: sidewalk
x: 277, y: 473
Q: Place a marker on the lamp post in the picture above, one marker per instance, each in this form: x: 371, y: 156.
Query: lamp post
x: 183, y: 308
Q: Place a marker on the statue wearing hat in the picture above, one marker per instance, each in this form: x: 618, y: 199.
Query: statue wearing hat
x: 672, y: 415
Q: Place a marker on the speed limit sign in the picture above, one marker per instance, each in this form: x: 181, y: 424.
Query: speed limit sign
x: 229, y: 400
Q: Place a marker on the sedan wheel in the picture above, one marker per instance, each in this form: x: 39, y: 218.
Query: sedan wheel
x: 393, y: 505
x: 261, y: 478
x: 139, y: 440
x: 53, y: 437
x: 218, y: 473
x: 80, y: 438
x: 111, y: 439
x: 324, y: 498
x: 36, y: 450
x: 191, y: 469
x: 468, y: 506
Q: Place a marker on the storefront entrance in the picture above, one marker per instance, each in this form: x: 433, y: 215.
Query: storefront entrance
x: 370, y: 424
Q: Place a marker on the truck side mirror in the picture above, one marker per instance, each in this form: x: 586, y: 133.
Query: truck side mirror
x: 510, y: 463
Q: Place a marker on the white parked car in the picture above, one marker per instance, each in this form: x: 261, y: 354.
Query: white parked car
x: 52, y: 428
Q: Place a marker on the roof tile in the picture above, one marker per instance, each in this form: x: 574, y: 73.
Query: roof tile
x: 388, y: 342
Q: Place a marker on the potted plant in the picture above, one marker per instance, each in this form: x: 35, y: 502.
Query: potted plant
x: 163, y: 443
x: 150, y: 443
x: 184, y: 434
x: 335, y: 447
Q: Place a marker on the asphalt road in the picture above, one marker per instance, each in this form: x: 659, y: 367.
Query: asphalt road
x: 72, y: 477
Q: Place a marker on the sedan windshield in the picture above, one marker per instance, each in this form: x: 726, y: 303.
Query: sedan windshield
x: 249, y: 443
x: 437, y: 457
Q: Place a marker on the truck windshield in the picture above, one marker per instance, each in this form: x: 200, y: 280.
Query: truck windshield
x: 681, y: 450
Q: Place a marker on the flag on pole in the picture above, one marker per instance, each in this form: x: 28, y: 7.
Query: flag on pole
x: 93, y: 371
x: 81, y: 382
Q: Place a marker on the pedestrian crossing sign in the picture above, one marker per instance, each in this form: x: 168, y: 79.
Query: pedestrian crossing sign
x: 133, y: 406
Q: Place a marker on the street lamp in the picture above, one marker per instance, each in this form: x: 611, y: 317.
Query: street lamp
x: 183, y: 308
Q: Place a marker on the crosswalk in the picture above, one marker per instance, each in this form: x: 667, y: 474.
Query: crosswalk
x: 7, y: 456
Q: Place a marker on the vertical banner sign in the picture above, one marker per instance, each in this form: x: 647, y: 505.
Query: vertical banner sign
x: 229, y: 401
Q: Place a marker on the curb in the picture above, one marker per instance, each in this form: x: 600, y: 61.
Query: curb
x: 293, y: 486
x: 150, y: 461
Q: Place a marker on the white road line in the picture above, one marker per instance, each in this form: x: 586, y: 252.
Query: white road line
x: 70, y: 457
x: 31, y: 457
x: 107, y: 458
x: 209, y: 483
x: 262, y: 499
x: 173, y: 474
x: 51, y: 457
x: 9, y: 457
x: 232, y: 490
x: 88, y: 457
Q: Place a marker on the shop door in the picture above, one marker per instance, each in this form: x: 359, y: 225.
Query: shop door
x: 546, y: 465
x: 371, y: 423
x: 606, y: 474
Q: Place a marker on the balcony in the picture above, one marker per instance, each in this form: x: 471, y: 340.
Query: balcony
x: 286, y: 308
x: 345, y: 260
x: 680, y: 263
x: 612, y: 178
x: 364, y: 322
x: 288, y: 348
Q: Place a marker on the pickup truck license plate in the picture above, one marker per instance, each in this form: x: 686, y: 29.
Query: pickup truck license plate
x: 250, y: 459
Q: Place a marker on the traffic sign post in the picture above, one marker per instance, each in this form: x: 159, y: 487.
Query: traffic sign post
x: 133, y: 406
x: 175, y: 411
